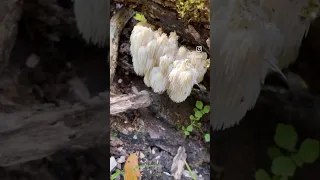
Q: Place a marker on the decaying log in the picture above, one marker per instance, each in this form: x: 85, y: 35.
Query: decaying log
x: 10, y: 11
x: 163, y: 13
x: 35, y: 133
x: 123, y: 103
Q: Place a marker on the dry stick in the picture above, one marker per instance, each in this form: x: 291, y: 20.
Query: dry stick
x: 32, y: 134
x: 117, y: 23
x: 123, y: 103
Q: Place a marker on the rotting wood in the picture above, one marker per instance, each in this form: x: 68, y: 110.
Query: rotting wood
x: 163, y: 14
x: 123, y: 103
x: 117, y: 23
x: 31, y: 134
x: 35, y: 133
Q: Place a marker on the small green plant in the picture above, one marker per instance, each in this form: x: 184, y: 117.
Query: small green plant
x: 199, y: 111
x: 286, y: 158
x: 140, y: 17
x: 190, y: 171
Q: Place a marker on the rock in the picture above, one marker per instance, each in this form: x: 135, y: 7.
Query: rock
x: 121, y: 159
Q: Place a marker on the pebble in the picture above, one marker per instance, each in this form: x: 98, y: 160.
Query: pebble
x: 121, y: 159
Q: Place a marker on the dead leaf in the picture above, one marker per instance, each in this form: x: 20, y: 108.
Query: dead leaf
x: 178, y: 163
x: 131, y: 170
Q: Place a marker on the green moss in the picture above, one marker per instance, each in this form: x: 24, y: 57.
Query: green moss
x: 193, y: 10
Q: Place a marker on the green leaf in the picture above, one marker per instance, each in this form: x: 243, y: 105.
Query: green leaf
x: 262, y: 175
x: 195, y: 109
x: 283, y: 166
x: 198, y: 114
x: 274, y: 152
x: 192, y: 117
x: 140, y: 17
x: 279, y: 177
x: 283, y: 178
x: 190, y: 128
x: 207, y: 137
x: 297, y: 159
x: 206, y: 109
x: 116, y: 174
x: 197, y: 118
x: 199, y: 105
x: 286, y: 137
x: 186, y: 132
x: 309, y: 151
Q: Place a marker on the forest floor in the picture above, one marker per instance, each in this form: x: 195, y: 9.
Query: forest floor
x: 155, y: 131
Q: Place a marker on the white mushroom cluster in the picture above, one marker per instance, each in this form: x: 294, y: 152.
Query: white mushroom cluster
x: 165, y: 66
x: 251, y: 39
x: 91, y: 17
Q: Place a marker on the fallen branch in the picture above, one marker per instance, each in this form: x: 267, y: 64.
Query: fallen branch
x: 36, y: 133
x: 123, y: 103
